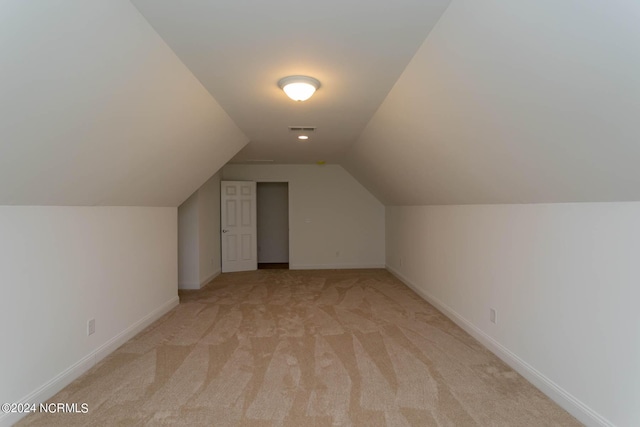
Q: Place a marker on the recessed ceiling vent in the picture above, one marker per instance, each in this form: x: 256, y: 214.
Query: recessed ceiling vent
x: 302, y: 128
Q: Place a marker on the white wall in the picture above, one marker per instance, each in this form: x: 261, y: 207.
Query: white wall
x: 60, y: 267
x: 563, y: 278
x: 209, y: 229
x: 330, y: 212
x: 199, y: 236
x: 272, y: 201
x: 188, y: 244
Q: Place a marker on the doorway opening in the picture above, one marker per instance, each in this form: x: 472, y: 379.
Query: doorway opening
x: 272, y: 203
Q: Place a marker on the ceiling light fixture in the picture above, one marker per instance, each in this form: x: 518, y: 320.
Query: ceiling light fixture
x: 299, y: 88
x: 303, y: 137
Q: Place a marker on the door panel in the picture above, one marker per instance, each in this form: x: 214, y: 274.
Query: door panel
x: 238, y: 220
x: 246, y: 212
x: 246, y: 247
x: 231, y: 214
x: 232, y: 248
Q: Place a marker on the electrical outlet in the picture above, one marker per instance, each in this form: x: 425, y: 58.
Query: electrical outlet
x: 91, y: 327
x: 493, y: 315
x: 400, y: 261
x: 337, y: 254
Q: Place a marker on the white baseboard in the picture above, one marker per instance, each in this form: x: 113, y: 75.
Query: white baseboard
x: 333, y: 266
x: 210, y: 278
x: 556, y: 393
x: 112, y: 345
x: 60, y: 381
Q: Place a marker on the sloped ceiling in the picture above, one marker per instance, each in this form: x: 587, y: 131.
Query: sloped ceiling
x: 239, y: 49
x: 512, y: 102
x: 97, y: 110
x: 505, y: 102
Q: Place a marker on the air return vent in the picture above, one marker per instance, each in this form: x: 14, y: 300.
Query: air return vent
x: 302, y: 128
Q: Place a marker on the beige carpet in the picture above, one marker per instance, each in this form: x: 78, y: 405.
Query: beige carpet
x: 304, y: 348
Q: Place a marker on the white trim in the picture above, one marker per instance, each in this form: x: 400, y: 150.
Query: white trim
x: 333, y: 266
x: 112, y: 345
x: 64, y: 378
x: 556, y: 393
x: 210, y: 278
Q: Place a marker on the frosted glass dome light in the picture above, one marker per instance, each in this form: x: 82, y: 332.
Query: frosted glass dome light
x: 299, y: 88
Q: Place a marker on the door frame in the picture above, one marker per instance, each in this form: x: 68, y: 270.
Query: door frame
x: 288, y: 208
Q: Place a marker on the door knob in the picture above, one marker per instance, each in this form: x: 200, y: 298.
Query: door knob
x: 224, y: 231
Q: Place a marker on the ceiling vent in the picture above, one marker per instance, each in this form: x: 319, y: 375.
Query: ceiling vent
x: 302, y: 128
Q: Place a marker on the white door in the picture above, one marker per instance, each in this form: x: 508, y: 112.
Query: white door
x: 238, y: 222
